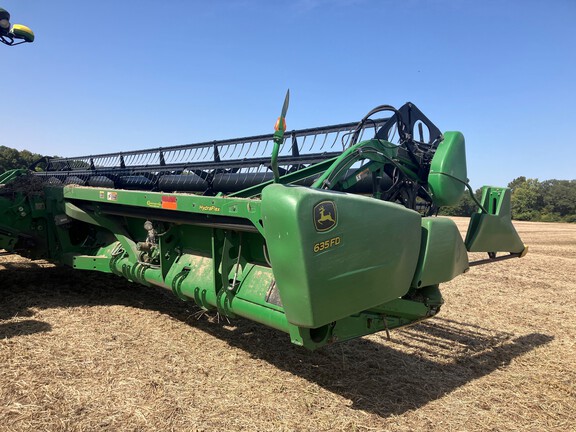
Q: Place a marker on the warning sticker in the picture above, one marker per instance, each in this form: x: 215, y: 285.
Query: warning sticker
x: 112, y: 196
x: 170, y: 202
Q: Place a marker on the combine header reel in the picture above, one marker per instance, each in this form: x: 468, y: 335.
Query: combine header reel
x: 326, y: 233
x: 10, y: 33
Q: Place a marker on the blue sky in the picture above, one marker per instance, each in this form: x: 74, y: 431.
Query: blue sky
x: 110, y: 76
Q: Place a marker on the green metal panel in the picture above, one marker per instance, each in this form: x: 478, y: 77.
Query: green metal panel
x: 89, y: 262
x: 448, y: 175
x: 206, y: 206
x: 335, y: 254
x: 190, y: 277
x: 442, y: 255
x: 23, y: 225
x: 493, y: 231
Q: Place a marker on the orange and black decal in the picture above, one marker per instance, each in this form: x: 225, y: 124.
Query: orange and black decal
x: 325, y: 216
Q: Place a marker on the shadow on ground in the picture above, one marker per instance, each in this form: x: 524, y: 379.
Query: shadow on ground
x: 21, y: 328
x: 424, y: 363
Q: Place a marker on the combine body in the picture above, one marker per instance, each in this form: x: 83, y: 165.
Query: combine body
x: 333, y: 237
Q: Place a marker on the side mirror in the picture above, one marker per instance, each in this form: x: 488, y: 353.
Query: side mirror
x: 19, y: 31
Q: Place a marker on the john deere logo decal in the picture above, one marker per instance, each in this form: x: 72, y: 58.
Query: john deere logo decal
x: 325, y: 216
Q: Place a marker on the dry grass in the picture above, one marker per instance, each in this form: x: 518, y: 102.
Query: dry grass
x: 81, y: 351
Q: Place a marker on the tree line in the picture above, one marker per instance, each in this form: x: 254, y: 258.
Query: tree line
x: 11, y: 158
x: 532, y: 200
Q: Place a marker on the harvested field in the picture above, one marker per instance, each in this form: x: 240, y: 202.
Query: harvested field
x: 82, y: 351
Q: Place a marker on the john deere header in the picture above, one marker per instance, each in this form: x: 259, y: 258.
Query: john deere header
x: 326, y: 233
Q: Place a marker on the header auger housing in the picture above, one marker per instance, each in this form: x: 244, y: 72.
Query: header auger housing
x: 326, y: 233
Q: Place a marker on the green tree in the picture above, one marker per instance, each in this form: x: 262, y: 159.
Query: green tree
x: 532, y: 200
x: 559, y: 198
x: 527, y: 199
x: 519, y: 181
x: 11, y: 158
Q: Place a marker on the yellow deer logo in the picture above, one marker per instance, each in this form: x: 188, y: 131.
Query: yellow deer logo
x: 325, y: 215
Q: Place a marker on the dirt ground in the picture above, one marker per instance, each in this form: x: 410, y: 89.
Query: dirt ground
x: 82, y: 351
